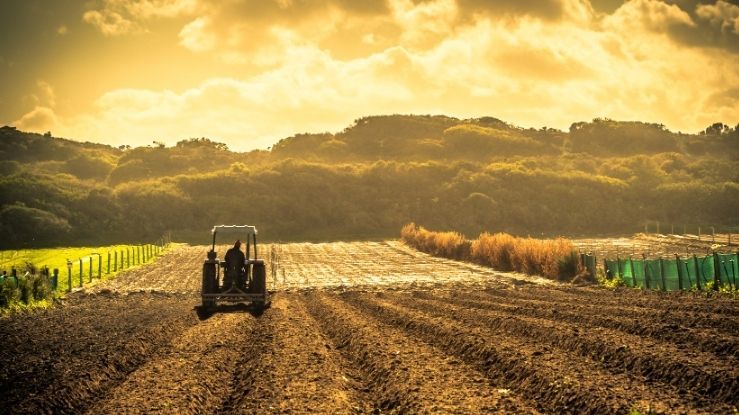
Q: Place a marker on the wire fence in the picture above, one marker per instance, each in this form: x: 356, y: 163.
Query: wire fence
x: 710, y: 272
x: 30, y: 282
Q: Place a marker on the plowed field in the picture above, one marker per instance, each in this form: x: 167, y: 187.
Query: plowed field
x: 370, y: 328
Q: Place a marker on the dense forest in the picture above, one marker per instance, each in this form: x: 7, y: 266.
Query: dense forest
x: 473, y: 175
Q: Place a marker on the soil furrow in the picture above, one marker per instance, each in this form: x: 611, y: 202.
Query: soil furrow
x: 63, y: 360
x: 618, y: 352
x: 667, y: 314
x: 287, y: 366
x: 724, y: 346
x: 554, y: 380
x: 407, y: 375
x: 711, y: 304
x: 190, y: 377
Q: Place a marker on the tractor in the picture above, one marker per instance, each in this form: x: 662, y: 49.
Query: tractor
x: 246, y: 284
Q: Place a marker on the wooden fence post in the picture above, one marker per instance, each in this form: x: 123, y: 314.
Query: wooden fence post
x: 646, y: 269
x: 69, y: 275
x: 81, y: 273
x: 679, y: 272
x: 697, y: 272
x: 662, y: 273
x: 633, y: 274
x: 108, y: 273
x: 716, y: 272
x: 100, y: 266
x: 91, y: 267
x: 55, y: 279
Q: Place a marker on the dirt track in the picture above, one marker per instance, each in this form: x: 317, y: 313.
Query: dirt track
x: 371, y: 327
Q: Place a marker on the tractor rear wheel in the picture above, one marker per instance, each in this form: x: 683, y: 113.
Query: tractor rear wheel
x: 258, y: 279
x: 210, y: 283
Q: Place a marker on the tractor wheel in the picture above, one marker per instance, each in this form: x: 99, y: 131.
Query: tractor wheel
x: 210, y: 285
x: 258, y: 306
x: 258, y: 279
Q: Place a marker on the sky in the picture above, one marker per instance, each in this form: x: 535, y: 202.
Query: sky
x: 250, y: 72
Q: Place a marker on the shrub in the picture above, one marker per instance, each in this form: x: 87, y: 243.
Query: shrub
x: 555, y: 259
x: 8, y: 292
x: 33, y: 286
x: 41, y: 288
x: 445, y: 244
x: 494, y: 250
x: 25, y: 286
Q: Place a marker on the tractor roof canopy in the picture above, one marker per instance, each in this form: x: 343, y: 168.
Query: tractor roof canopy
x: 235, y: 229
x: 243, y: 232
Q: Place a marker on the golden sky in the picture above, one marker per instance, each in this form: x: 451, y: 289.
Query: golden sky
x: 249, y: 72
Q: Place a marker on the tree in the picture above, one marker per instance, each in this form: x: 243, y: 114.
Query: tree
x: 717, y: 128
x: 25, y: 226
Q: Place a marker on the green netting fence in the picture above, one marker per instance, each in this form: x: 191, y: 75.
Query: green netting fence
x: 671, y: 274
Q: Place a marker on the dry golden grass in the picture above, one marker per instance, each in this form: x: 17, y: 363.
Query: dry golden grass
x: 553, y: 258
x: 445, y: 244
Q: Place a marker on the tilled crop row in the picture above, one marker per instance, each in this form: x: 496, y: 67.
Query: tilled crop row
x: 405, y: 375
x: 660, y: 364
x: 191, y: 376
x: 682, y: 311
x: 724, y: 346
x: 288, y: 367
x: 354, y: 332
x: 689, y: 302
x: 65, y: 359
x: 556, y: 379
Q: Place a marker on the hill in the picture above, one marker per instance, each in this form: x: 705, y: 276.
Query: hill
x: 366, y: 181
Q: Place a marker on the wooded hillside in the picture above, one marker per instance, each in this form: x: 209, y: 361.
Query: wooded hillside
x: 367, y: 181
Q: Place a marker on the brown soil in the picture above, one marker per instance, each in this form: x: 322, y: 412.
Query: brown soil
x: 371, y: 328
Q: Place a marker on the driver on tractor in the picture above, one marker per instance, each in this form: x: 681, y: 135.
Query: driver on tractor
x: 235, y: 262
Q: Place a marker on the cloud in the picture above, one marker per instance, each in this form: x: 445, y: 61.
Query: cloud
x: 40, y: 119
x: 46, y: 95
x: 722, y: 15
x: 529, y: 73
x: 550, y: 10
x: 121, y: 17
x: 196, y: 35
x: 712, y: 25
x: 312, y: 66
x: 652, y: 15
x: 109, y: 23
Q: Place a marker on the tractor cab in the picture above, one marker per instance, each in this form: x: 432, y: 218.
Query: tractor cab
x: 235, y: 282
